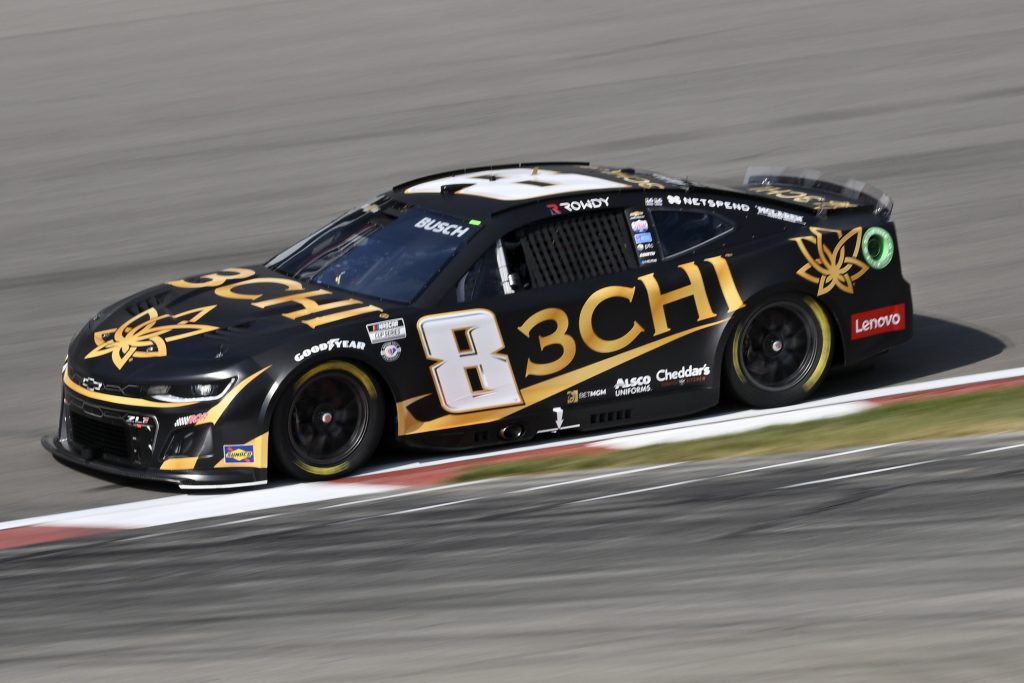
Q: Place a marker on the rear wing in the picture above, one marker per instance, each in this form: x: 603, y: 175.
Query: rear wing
x: 810, y: 189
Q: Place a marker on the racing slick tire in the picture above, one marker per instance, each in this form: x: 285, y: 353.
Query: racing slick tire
x: 328, y: 422
x: 779, y: 351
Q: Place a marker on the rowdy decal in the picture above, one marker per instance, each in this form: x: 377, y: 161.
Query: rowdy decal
x: 147, y: 334
x: 579, y: 205
x: 832, y: 268
x: 239, y: 283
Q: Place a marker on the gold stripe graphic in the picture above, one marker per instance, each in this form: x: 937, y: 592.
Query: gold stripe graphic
x: 408, y: 423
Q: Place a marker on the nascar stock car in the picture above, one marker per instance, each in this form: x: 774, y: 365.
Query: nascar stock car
x: 485, y: 306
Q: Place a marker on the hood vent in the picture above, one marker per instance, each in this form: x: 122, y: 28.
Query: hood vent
x: 151, y: 301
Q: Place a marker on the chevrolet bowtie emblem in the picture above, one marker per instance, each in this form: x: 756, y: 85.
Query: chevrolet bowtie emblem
x: 92, y: 384
x: 147, y: 334
x: 832, y: 267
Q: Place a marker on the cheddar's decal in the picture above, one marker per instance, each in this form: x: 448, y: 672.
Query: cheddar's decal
x: 832, y: 267
x: 147, y: 334
x: 296, y: 302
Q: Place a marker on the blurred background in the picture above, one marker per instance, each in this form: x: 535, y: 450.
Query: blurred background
x: 141, y: 140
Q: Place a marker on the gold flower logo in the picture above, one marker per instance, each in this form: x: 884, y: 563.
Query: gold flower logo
x: 832, y: 268
x: 147, y: 334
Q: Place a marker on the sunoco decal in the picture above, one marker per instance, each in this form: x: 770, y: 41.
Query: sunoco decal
x: 240, y: 454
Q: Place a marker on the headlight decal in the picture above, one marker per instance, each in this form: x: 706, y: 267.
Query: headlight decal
x: 215, y: 412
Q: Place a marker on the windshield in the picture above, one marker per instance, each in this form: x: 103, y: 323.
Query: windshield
x: 389, y: 252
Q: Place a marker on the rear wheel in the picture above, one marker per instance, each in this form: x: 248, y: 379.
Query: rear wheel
x: 779, y: 352
x: 328, y: 422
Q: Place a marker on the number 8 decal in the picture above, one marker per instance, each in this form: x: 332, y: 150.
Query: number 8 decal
x: 469, y: 369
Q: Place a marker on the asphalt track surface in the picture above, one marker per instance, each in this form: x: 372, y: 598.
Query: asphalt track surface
x: 893, y: 564
x: 140, y: 141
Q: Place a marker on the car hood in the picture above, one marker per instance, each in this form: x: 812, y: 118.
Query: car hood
x: 200, y: 326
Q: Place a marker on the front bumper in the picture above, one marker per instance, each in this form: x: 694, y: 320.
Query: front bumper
x: 132, y: 437
x: 66, y: 452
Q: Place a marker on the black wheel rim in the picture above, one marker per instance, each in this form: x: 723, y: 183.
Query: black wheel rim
x: 779, y: 347
x: 327, y: 419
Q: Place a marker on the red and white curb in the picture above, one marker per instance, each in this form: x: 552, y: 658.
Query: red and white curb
x: 430, y: 472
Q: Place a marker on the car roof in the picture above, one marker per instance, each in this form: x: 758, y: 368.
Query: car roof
x: 485, y: 191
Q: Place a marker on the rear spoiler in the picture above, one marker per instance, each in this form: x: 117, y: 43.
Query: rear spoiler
x: 810, y: 189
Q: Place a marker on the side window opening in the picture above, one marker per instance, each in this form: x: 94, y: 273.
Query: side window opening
x: 683, y: 231
x: 552, y: 252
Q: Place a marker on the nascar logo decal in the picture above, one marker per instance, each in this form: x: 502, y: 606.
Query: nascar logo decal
x: 240, y: 454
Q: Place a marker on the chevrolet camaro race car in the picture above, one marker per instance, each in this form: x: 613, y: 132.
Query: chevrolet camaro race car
x: 486, y: 306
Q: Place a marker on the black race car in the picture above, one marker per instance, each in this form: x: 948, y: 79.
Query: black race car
x: 488, y: 306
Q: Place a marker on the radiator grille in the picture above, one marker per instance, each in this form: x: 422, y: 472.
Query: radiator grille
x: 102, y: 437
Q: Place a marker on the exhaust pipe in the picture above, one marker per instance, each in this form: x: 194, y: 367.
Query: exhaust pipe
x: 511, y: 432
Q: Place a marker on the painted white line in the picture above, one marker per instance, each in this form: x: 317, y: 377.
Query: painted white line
x: 827, y: 456
x: 748, y: 423
x: 596, y: 477
x: 788, y: 463
x: 176, y: 509
x: 996, y: 450
x: 860, y: 474
x: 413, y: 492
x: 432, y: 507
x: 244, y: 520
x: 716, y: 425
x: 643, y: 490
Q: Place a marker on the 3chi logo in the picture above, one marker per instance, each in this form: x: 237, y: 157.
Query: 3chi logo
x: 147, y: 334
x: 831, y: 268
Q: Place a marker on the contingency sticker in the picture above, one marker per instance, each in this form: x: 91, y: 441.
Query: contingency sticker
x: 386, y: 330
x: 239, y: 454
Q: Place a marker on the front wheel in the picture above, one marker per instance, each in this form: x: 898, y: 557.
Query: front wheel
x: 328, y: 422
x: 779, y: 352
